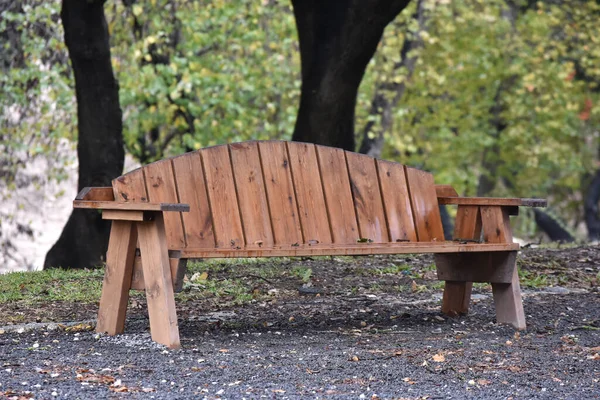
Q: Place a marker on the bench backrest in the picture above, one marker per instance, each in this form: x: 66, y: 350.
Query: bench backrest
x: 273, y: 193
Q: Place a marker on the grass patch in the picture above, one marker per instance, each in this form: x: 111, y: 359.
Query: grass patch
x: 53, y: 284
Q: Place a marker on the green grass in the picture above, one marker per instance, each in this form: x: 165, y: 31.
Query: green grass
x: 51, y: 285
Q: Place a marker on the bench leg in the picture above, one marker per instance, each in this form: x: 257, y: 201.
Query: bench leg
x: 158, y: 282
x: 457, y: 296
x: 509, y: 306
x: 117, y: 278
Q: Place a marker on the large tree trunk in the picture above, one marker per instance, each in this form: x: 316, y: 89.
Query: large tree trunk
x: 337, y: 40
x: 84, y: 240
x: 592, y: 214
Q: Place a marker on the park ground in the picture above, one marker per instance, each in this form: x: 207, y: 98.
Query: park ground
x: 326, y: 327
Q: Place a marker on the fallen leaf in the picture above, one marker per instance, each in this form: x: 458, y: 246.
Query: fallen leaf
x: 224, y: 350
x: 277, y: 390
x: 439, y: 358
x: 483, y: 382
x: 354, y: 358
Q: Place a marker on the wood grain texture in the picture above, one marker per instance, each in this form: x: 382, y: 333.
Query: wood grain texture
x: 224, y: 207
x: 198, y: 224
x: 117, y: 278
x: 366, y: 194
x: 458, y: 286
x: 161, y: 187
x: 349, y: 249
x: 114, y: 205
x: 280, y: 193
x: 309, y: 193
x: 426, y: 212
x: 123, y: 215
x: 96, y: 193
x: 492, y: 201
x: 178, y: 268
x: 158, y: 282
x: 496, y: 225
x: 252, y: 197
x: 130, y: 187
x: 445, y: 191
x: 507, y: 296
x: 396, y: 201
x: 493, y: 267
x: 468, y: 223
x: 508, y: 302
x: 338, y: 195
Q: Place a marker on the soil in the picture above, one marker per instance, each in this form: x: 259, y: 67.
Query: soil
x: 365, y: 327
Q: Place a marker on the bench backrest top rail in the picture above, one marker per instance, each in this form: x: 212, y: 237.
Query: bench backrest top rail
x: 264, y: 194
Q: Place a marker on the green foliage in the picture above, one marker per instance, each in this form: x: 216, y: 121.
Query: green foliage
x: 36, y: 90
x: 194, y: 74
x: 507, y: 97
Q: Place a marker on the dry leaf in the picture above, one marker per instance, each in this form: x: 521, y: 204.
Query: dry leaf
x: 439, y: 358
x: 224, y: 350
x: 483, y: 382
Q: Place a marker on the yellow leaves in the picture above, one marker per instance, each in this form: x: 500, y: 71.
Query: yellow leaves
x: 137, y: 10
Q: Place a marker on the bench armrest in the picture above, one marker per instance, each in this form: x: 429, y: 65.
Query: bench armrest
x: 103, y: 198
x: 492, y: 201
x: 114, y: 205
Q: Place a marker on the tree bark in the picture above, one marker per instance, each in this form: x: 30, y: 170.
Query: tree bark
x: 337, y: 40
x: 592, y: 213
x: 84, y: 239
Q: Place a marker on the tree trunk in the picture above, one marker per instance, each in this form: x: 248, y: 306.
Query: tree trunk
x: 84, y: 239
x: 592, y: 214
x: 337, y: 40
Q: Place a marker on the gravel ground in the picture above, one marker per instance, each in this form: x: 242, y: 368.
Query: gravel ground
x: 340, y: 344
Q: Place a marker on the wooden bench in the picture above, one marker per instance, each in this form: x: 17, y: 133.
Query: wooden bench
x: 275, y: 198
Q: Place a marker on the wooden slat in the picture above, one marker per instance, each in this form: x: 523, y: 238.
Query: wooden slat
x: 445, y: 191
x: 280, y: 193
x: 468, y: 223
x: 426, y: 212
x: 114, y: 205
x: 366, y: 193
x: 158, y: 282
x: 161, y: 187
x: 220, y: 187
x: 252, y: 197
x: 309, y: 193
x: 121, y: 215
x: 493, y: 267
x: 117, y: 278
x: 396, y: 201
x: 496, y: 225
x: 96, y: 193
x: 131, y: 187
x: 338, y: 195
x: 189, y: 175
x: 348, y: 249
x: 493, y: 201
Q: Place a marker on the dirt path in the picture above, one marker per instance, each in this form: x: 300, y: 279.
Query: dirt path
x: 368, y: 334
